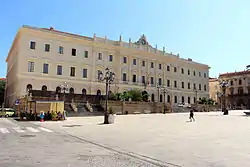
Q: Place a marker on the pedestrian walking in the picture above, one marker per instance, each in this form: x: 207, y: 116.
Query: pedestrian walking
x: 64, y: 115
x: 191, y: 115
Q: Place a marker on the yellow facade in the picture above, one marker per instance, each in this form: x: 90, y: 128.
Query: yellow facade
x: 214, y: 89
x: 141, y: 60
x: 238, y: 89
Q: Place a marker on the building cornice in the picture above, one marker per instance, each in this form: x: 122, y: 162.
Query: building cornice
x: 232, y: 74
x: 118, y: 45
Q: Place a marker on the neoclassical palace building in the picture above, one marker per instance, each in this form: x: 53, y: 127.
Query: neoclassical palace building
x: 43, y: 59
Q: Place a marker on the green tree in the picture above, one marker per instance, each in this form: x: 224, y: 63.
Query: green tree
x: 115, y: 96
x: 145, y: 96
x: 206, y: 101
x: 135, y: 94
x: 112, y: 96
x: 124, y: 96
x: 2, y: 89
x: 210, y: 101
x: 203, y: 100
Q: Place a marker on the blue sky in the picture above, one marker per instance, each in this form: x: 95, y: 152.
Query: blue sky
x: 214, y: 32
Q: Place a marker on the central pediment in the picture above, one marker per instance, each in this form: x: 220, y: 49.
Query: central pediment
x: 142, y: 40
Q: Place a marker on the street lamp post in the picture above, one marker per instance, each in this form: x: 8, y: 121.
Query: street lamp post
x: 64, y: 87
x: 146, y: 80
x: 158, y: 86
x: 28, y: 95
x: 108, y: 77
x: 164, y: 91
x: 224, y: 85
x: 196, y: 92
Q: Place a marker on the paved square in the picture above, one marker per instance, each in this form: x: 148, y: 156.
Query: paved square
x: 213, y: 140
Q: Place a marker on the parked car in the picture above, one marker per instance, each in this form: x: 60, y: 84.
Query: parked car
x: 7, y: 112
x: 180, y: 105
x: 186, y: 105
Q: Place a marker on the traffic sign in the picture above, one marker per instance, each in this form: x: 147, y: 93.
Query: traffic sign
x: 17, y: 102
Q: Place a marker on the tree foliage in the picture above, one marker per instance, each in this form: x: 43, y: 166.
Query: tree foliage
x: 2, y: 89
x: 134, y: 95
x: 115, y: 96
x: 206, y: 101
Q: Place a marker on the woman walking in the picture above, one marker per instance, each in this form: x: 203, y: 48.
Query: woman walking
x: 191, y: 115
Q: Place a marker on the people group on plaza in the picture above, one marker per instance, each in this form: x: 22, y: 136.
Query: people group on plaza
x: 49, y: 115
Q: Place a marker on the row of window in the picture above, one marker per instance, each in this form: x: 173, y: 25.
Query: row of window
x: 124, y: 76
x: 73, y: 51
x: 168, y: 84
x: 110, y: 58
x: 31, y: 68
x: 152, y: 64
x: 239, y: 82
x: 240, y: 91
x: 176, y: 99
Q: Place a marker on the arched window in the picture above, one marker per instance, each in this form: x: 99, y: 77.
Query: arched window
x: 182, y: 85
x: 71, y: 90
x: 188, y: 100
x: 58, y: 89
x: 175, y: 69
x: 29, y: 87
x: 240, y: 82
x: 205, y: 87
x: 152, y: 97
x: 44, y: 88
x: 98, y: 92
x: 144, y: 93
x: 168, y: 98
x: 160, y: 98
x: 84, y: 92
x: 182, y: 70
x: 175, y: 99
x: 183, y: 99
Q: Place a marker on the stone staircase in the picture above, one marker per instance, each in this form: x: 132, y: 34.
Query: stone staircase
x: 180, y: 109
x: 74, y: 107
x: 98, y: 108
x: 82, y: 109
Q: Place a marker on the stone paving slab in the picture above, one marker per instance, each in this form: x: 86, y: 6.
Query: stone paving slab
x: 55, y: 149
x: 213, y: 140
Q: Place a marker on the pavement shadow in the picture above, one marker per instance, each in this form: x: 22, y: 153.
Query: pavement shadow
x: 103, y: 124
x: 71, y: 126
x: 25, y: 120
